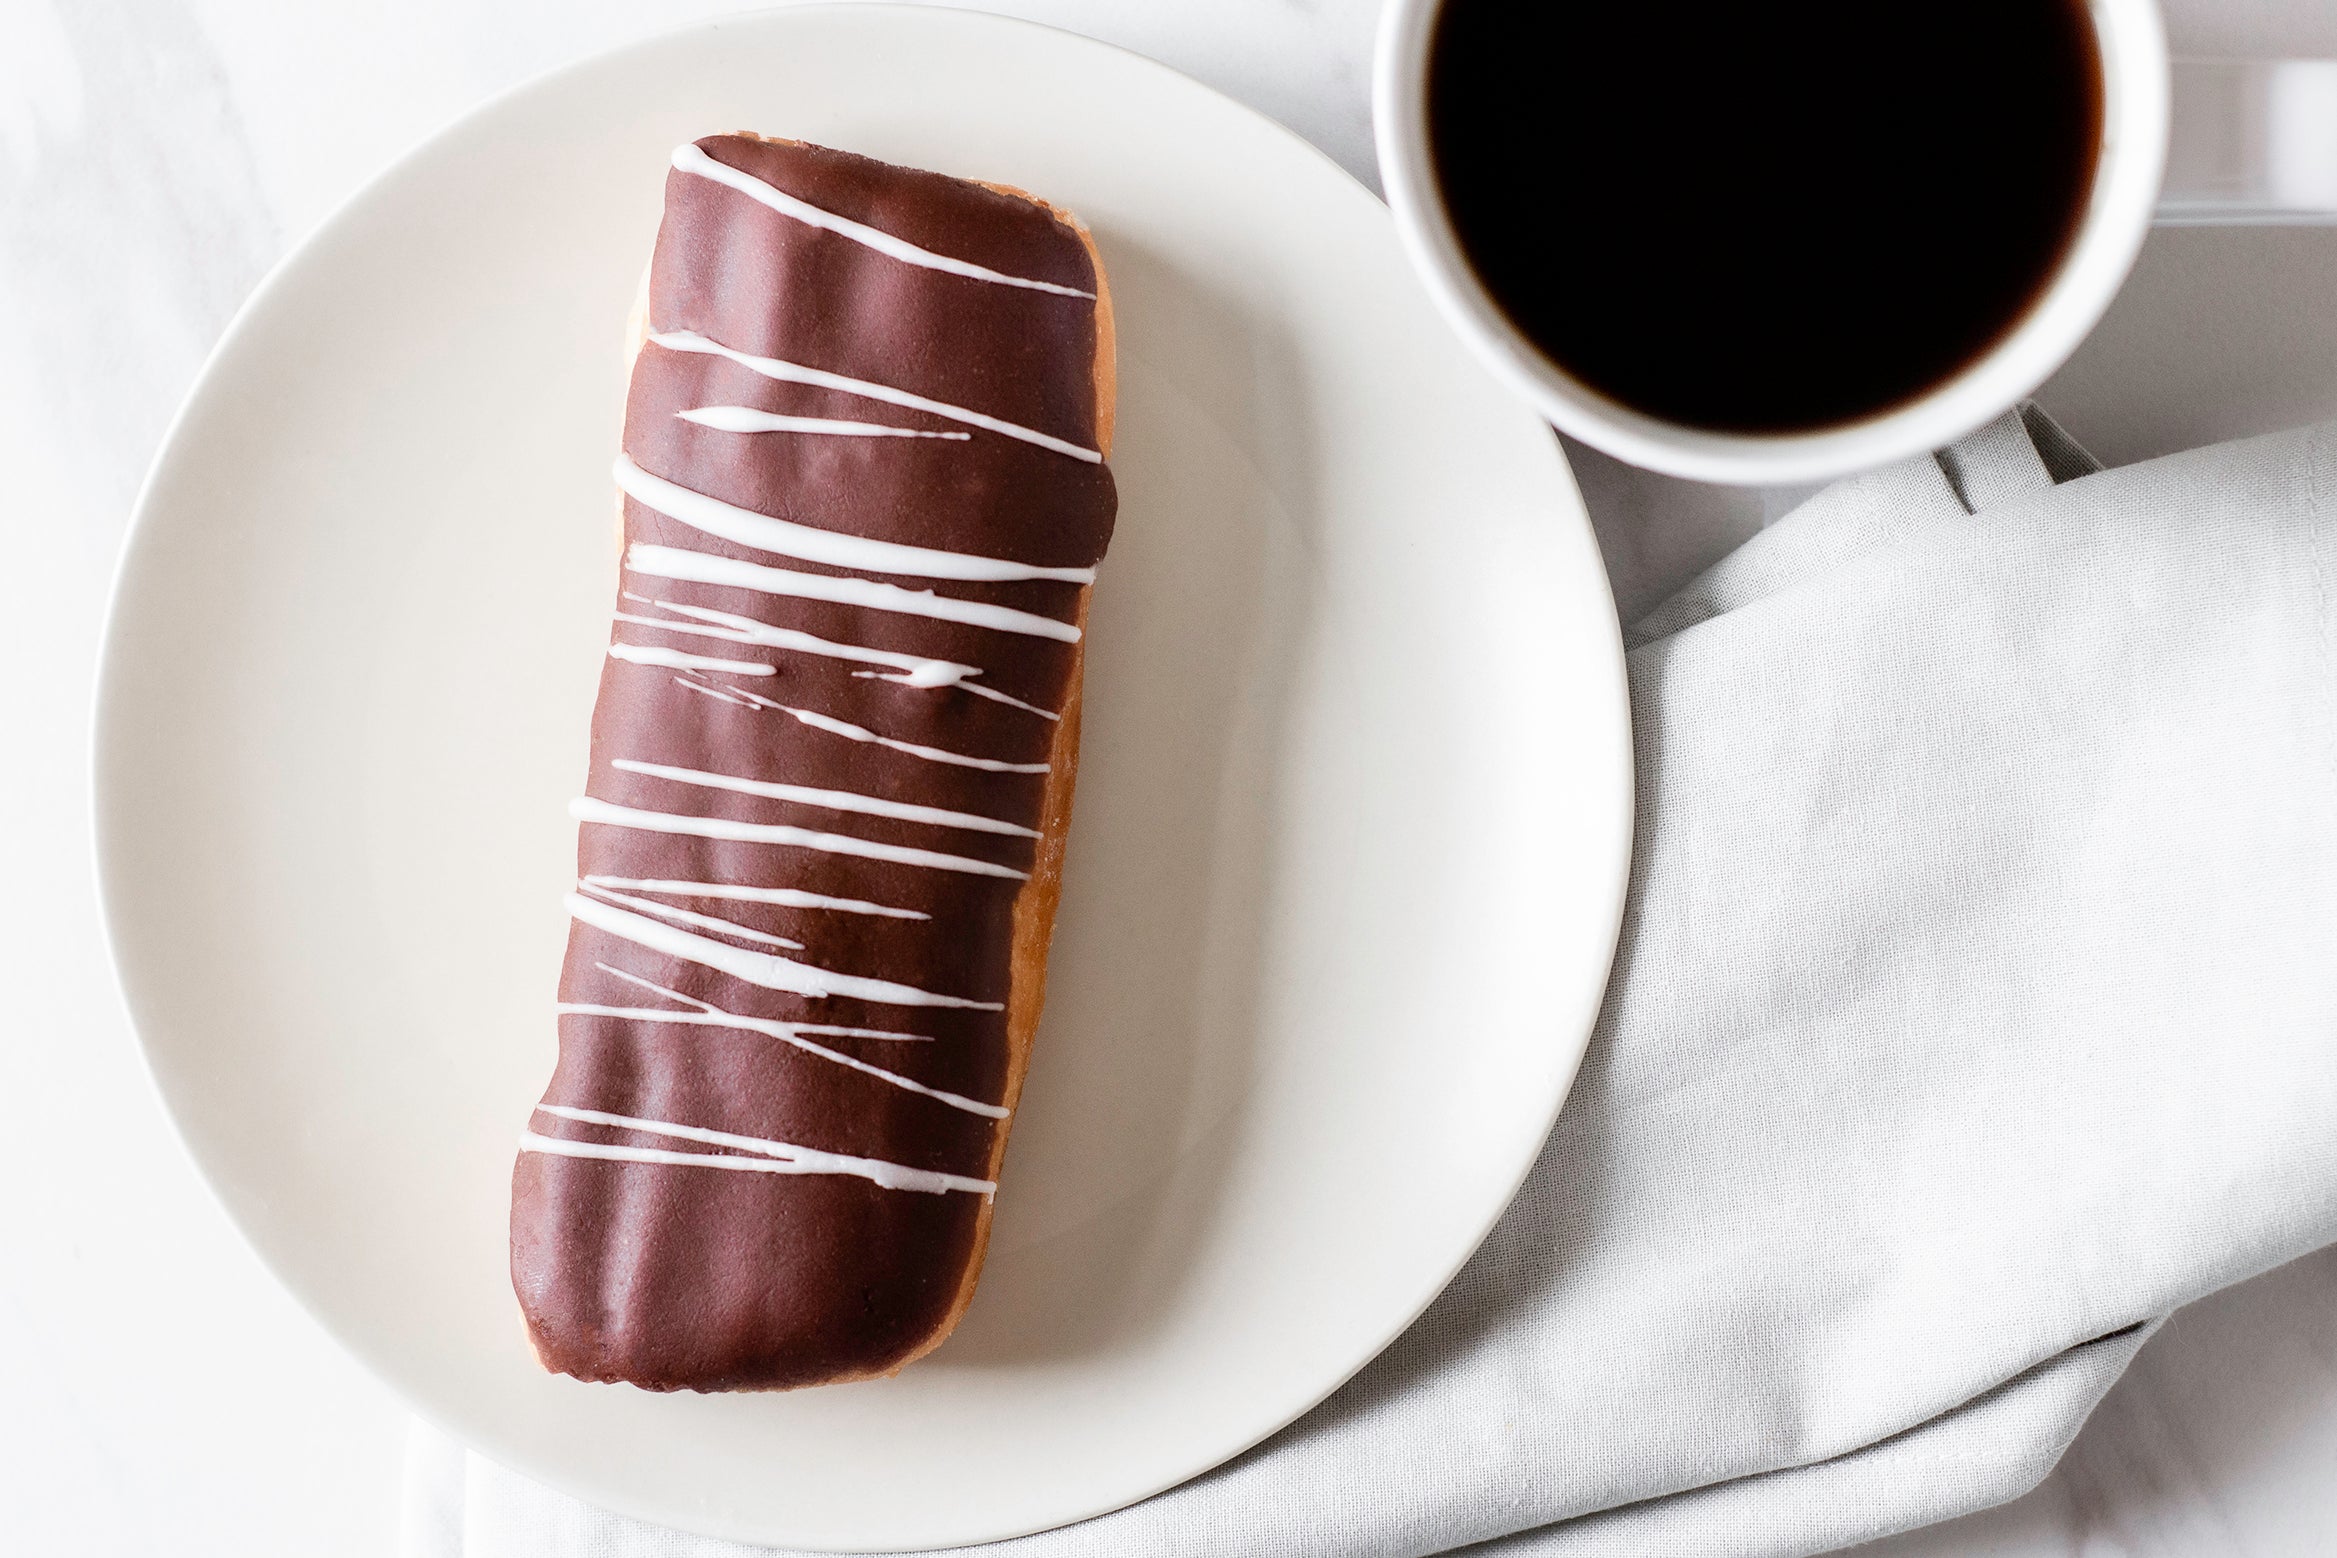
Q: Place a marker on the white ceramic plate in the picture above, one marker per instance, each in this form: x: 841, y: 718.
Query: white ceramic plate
x: 1353, y: 809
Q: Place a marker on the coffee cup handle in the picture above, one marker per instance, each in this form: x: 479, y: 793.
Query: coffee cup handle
x: 2253, y: 144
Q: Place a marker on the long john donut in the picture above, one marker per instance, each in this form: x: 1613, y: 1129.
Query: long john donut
x: 832, y: 765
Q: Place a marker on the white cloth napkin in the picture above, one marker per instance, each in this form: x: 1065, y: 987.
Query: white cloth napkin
x: 1976, y: 1006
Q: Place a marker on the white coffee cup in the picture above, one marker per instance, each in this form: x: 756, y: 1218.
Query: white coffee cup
x: 2135, y: 97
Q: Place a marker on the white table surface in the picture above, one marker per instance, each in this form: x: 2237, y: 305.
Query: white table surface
x: 158, y: 1392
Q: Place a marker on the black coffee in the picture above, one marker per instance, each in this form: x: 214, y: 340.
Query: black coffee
x: 1761, y: 215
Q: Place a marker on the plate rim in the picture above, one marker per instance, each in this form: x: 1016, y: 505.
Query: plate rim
x: 107, y: 776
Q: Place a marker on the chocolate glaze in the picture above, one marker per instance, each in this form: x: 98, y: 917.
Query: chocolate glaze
x: 687, y: 1277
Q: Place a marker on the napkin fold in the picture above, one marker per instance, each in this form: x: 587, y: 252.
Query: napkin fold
x: 1976, y: 1006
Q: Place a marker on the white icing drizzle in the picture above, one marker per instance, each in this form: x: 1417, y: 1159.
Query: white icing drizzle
x: 827, y: 1029
x: 555, y: 1146
x: 716, y: 693
x: 666, y: 911
x: 746, y: 630
x: 915, y: 671
x: 830, y: 800
x: 819, y: 378
x: 692, y: 158
x: 893, y: 1176
x: 977, y: 689
x: 672, y: 562
x: 765, y: 969
x: 776, y: 1157
x: 709, y: 1015
x: 747, y: 419
x: 681, y: 660
x: 787, y: 897
x: 837, y: 727
x: 786, y: 538
x: 586, y: 808
x: 751, y: 700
